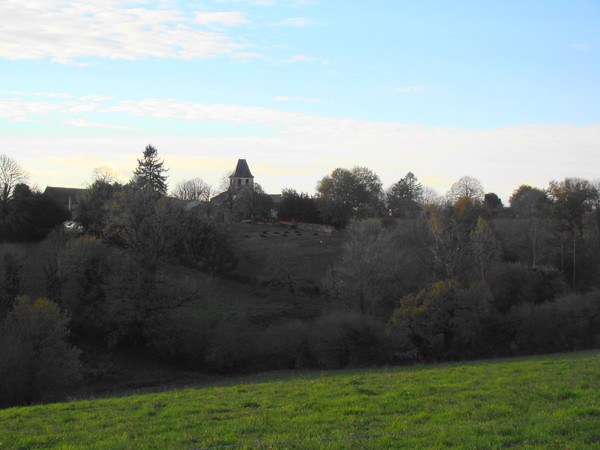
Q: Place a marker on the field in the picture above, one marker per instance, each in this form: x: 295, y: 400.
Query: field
x: 268, y: 255
x: 306, y: 252
x: 545, y: 402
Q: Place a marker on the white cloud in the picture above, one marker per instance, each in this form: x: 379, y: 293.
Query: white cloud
x: 82, y: 123
x: 96, y: 98
x: 409, y: 89
x: 314, y: 145
x: 246, y: 55
x: 250, y: 2
x: 581, y: 47
x: 68, y: 31
x: 299, y: 58
x: 296, y: 22
x: 42, y: 94
x: 283, y: 98
x: 224, y: 18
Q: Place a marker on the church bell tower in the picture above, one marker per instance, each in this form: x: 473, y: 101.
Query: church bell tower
x: 241, y: 178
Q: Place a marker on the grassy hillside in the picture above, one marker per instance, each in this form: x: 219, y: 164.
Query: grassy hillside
x: 550, y: 401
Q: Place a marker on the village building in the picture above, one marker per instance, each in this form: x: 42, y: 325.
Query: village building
x: 241, y: 177
x: 226, y: 207
x: 70, y: 198
x: 231, y: 205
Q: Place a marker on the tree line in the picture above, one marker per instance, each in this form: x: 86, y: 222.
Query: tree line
x: 420, y: 277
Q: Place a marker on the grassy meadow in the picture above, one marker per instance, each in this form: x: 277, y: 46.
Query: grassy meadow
x: 548, y: 401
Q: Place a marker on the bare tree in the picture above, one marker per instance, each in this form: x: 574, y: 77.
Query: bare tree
x: 430, y: 196
x: 11, y: 174
x: 195, y: 189
x: 466, y: 187
x: 104, y: 174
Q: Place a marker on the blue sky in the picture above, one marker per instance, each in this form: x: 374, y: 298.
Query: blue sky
x: 507, y: 92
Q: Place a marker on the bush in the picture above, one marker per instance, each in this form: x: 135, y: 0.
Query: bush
x: 181, y: 338
x: 11, y: 274
x: 446, y: 320
x: 233, y: 345
x: 36, y: 361
x: 515, y: 284
x: 286, y: 346
x: 350, y: 340
x: 568, y: 323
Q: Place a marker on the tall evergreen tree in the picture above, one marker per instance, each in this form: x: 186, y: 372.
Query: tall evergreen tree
x: 150, y: 172
x: 404, y: 197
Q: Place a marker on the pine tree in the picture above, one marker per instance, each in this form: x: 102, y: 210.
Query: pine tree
x: 150, y: 172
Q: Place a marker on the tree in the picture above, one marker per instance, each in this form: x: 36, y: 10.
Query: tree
x: 300, y: 207
x: 254, y: 202
x: 376, y: 266
x: 105, y: 174
x: 11, y: 282
x: 404, y: 198
x: 466, y: 187
x: 347, y: 194
x: 91, y: 212
x: 30, y: 216
x: 227, y: 196
x: 150, y: 172
x: 444, y: 320
x: 431, y: 197
x: 11, y: 174
x: 573, y: 198
x: 156, y: 231
x: 194, y: 189
x: 532, y: 205
x: 493, y: 202
x: 36, y: 361
x: 485, y: 248
x: 138, y: 221
x: 447, y: 239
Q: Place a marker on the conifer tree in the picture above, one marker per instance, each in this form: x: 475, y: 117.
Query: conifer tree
x: 150, y: 172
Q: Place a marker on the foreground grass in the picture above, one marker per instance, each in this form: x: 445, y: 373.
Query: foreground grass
x: 551, y: 401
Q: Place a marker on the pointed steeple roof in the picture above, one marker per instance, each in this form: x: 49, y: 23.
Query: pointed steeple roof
x: 242, y: 170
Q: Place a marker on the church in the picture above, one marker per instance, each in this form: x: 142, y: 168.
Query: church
x: 241, y: 200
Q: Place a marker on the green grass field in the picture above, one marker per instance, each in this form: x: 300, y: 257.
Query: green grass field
x: 541, y: 402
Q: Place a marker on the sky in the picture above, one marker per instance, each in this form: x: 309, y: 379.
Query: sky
x: 507, y: 92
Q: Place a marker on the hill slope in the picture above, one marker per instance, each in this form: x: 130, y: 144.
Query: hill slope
x: 549, y: 401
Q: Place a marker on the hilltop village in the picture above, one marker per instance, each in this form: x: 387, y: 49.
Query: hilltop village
x: 124, y: 277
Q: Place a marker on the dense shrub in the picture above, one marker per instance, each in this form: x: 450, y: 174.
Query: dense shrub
x: 232, y: 345
x: 286, y: 346
x: 36, y: 361
x: 30, y: 216
x: 89, y: 265
x: 352, y: 340
x: 569, y: 323
x: 11, y: 281
x: 181, y: 338
x: 445, y: 320
x: 515, y: 284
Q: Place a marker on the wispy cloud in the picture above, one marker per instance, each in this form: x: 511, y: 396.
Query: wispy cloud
x: 581, y: 47
x: 299, y: 58
x: 249, y: 55
x: 314, y: 145
x: 409, y: 89
x: 283, y: 98
x: 224, y: 18
x: 249, y: 2
x: 43, y: 94
x: 296, y: 22
x: 96, y: 98
x: 82, y: 123
x: 67, y: 32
